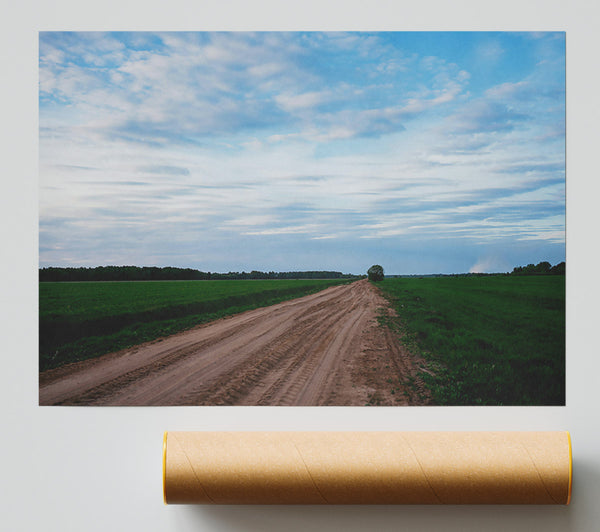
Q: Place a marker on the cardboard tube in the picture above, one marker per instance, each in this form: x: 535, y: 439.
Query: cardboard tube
x: 367, y: 467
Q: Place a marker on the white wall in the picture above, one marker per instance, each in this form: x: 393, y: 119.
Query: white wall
x: 96, y: 469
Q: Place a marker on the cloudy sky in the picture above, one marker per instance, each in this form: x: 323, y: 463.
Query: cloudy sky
x: 423, y: 152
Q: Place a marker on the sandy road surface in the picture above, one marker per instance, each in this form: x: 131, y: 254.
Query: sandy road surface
x: 322, y: 349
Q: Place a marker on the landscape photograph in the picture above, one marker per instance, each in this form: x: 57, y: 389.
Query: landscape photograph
x: 302, y: 218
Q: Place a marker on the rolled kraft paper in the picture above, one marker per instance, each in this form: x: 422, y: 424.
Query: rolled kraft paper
x: 367, y: 467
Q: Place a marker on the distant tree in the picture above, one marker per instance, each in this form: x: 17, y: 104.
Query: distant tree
x: 375, y: 273
x: 542, y: 268
x: 558, y: 269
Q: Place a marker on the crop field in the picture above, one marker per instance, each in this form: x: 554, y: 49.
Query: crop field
x: 490, y: 340
x: 82, y: 320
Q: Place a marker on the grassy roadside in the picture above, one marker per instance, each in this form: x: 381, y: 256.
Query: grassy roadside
x: 490, y: 340
x: 83, y: 320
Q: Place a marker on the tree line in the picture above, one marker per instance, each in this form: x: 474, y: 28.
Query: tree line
x: 153, y: 273
x: 542, y: 268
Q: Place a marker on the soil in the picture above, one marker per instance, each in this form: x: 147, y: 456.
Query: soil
x: 324, y: 349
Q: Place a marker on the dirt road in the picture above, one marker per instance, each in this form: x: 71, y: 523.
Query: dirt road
x: 322, y: 349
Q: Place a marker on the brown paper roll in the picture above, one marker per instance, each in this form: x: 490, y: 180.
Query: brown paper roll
x: 367, y: 467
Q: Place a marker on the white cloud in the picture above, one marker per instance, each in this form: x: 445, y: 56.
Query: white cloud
x: 289, y: 230
x: 294, y: 102
x: 492, y: 264
x: 251, y: 220
x: 507, y: 89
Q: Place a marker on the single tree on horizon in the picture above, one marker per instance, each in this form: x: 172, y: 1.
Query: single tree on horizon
x: 375, y: 273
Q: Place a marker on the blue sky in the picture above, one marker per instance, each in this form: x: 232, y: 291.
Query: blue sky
x: 423, y: 152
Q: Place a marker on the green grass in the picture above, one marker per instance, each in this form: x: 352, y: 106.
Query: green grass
x: 489, y: 340
x: 87, y: 319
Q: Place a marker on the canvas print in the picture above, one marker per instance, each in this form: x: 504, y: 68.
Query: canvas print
x: 302, y: 218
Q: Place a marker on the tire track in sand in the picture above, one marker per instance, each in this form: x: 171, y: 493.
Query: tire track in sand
x: 322, y: 349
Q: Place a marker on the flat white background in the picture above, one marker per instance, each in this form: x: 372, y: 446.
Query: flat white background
x: 88, y: 469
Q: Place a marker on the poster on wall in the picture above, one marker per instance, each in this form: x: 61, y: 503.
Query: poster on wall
x: 302, y: 218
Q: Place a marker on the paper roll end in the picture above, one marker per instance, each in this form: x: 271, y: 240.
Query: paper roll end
x: 164, y: 467
x: 570, y: 467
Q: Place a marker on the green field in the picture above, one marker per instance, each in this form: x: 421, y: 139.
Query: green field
x: 489, y: 340
x: 82, y: 320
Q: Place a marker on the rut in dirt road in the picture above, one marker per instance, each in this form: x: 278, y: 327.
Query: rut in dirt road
x: 322, y: 349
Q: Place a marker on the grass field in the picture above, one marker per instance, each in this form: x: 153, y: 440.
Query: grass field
x: 87, y: 319
x: 490, y: 340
